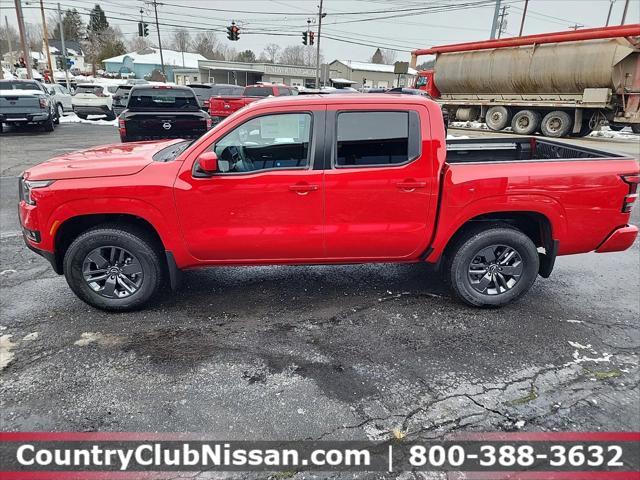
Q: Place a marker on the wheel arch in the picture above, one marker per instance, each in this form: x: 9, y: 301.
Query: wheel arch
x: 72, y: 227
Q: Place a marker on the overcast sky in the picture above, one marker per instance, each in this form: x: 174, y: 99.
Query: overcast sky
x: 408, y: 23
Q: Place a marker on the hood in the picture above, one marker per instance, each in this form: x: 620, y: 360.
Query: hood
x: 104, y: 161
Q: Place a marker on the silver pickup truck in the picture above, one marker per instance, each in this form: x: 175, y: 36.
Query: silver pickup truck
x: 26, y: 102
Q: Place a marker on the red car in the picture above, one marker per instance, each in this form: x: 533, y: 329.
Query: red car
x: 325, y: 180
x: 221, y: 107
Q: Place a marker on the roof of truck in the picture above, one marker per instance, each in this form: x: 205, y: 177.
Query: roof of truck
x: 342, y: 98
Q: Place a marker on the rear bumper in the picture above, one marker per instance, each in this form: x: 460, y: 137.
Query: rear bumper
x: 91, y: 110
x: 620, y: 239
x: 24, y: 117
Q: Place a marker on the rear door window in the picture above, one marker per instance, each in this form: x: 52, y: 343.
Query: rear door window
x: 162, y: 99
x: 96, y: 90
x: 372, y: 138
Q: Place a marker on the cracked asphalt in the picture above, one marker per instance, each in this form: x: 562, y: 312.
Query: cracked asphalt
x: 322, y: 352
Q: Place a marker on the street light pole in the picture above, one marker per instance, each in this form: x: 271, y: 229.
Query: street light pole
x: 494, y: 24
x: 318, y: 46
x: 45, y: 34
x: 64, y: 49
x: 155, y: 8
x: 624, y: 12
x: 23, y: 39
x: 524, y: 14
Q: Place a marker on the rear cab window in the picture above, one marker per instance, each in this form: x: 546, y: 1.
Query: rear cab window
x: 9, y: 85
x: 95, y: 89
x: 151, y: 99
x: 258, y: 91
x: 376, y: 138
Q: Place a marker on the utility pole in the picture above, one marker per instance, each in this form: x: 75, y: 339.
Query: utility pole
x: 494, y: 24
x: 624, y: 12
x: 155, y: 8
x: 45, y: 34
x: 64, y: 49
x: 23, y: 39
x: 6, y: 23
x: 503, y: 21
x: 611, y: 2
x: 524, y: 15
x: 318, y: 47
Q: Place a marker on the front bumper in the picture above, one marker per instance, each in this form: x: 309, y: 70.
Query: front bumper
x: 620, y: 239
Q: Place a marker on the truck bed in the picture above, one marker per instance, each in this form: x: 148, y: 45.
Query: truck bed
x: 518, y: 149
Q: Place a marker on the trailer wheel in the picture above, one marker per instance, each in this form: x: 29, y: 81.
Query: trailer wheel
x: 556, y: 124
x: 498, y: 118
x: 635, y: 128
x: 616, y: 127
x: 525, y: 122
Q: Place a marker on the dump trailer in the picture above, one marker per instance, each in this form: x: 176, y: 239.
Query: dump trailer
x: 560, y: 84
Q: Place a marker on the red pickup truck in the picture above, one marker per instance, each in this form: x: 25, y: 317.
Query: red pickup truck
x: 221, y: 107
x: 325, y: 180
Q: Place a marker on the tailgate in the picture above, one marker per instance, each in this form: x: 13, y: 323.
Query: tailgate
x: 225, y: 106
x: 15, y: 106
x: 164, y: 125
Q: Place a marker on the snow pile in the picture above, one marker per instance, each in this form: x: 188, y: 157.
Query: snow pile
x: 606, y: 132
x: 91, y: 119
x: 479, y: 125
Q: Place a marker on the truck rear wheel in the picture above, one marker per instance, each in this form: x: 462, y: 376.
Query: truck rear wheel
x: 556, y: 124
x: 635, y: 128
x: 113, y: 269
x: 525, y: 122
x: 498, y: 118
x: 616, y: 127
x: 490, y: 267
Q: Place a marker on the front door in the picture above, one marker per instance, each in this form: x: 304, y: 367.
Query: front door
x: 265, y: 204
x: 379, y: 187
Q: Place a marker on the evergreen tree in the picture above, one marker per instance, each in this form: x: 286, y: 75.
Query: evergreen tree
x: 97, y: 20
x: 72, y: 24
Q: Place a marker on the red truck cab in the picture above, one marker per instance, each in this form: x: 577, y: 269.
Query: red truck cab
x: 425, y: 81
x: 221, y: 107
x: 336, y: 179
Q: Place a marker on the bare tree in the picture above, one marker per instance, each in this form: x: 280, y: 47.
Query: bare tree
x: 206, y: 44
x: 293, y: 55
x: 389, y: 56
x: 271, y: 50
x: 181, y: 40
x: 137, y: 44
x: 33, y: 32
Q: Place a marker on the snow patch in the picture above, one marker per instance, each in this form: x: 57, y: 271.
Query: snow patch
x: 6, y: 355
x: 91, y: 119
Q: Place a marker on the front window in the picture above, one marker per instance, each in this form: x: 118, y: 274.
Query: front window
x: 422, y: 81
x: 268, y: 142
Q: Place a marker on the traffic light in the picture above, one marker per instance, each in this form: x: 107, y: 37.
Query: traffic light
x: 304, y: 38
x: 233, y: 32
x: 143, y: 29
x: 312, y: 37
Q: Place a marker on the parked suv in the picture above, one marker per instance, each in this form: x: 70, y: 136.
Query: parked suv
x: 94, y: 99
x: 61, y: 99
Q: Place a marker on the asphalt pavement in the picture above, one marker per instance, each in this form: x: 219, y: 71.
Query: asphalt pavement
x: 318, y: 352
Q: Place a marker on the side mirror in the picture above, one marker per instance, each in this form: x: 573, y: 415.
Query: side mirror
x: 208, y: 162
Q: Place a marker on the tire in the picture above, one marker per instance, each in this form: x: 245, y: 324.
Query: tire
x: 498, y: 118
x: 111, y: 115
x: 585, y: 130
x: 82, y: 116
x: 525, y: 122
x: 59, y: 111
x: 635, y: 128
x: 616, y: 127
x: 556, y: 124
x: 471, y: 250
x: 48, y: 125
x: 81, y: 255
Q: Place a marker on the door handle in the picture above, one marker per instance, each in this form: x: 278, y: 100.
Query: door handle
x: 410, y: 185
x: 303, y: 188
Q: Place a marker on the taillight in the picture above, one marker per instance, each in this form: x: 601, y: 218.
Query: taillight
x: 632, y: 196
x: 208, y: 124
x: 43, y: 102
x: 121, y: 127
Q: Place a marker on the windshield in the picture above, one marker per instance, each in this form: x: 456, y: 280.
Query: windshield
x: 172, y: 151
x: 422, y: 81
x: 162, y: 99
x: 19, y: 86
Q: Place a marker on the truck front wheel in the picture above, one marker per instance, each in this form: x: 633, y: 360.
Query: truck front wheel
x: 525, y: 122
x: 113, y: 269
x: 498, y: 118
x: 556, y: 124
x: 493, y: 266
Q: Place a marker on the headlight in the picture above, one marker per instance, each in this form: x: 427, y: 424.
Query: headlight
x: 26, y: 186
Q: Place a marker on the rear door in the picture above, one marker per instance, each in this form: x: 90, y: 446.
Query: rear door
x: 379, y: 185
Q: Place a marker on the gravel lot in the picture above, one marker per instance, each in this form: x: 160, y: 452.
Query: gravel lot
x: 332, y: 352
